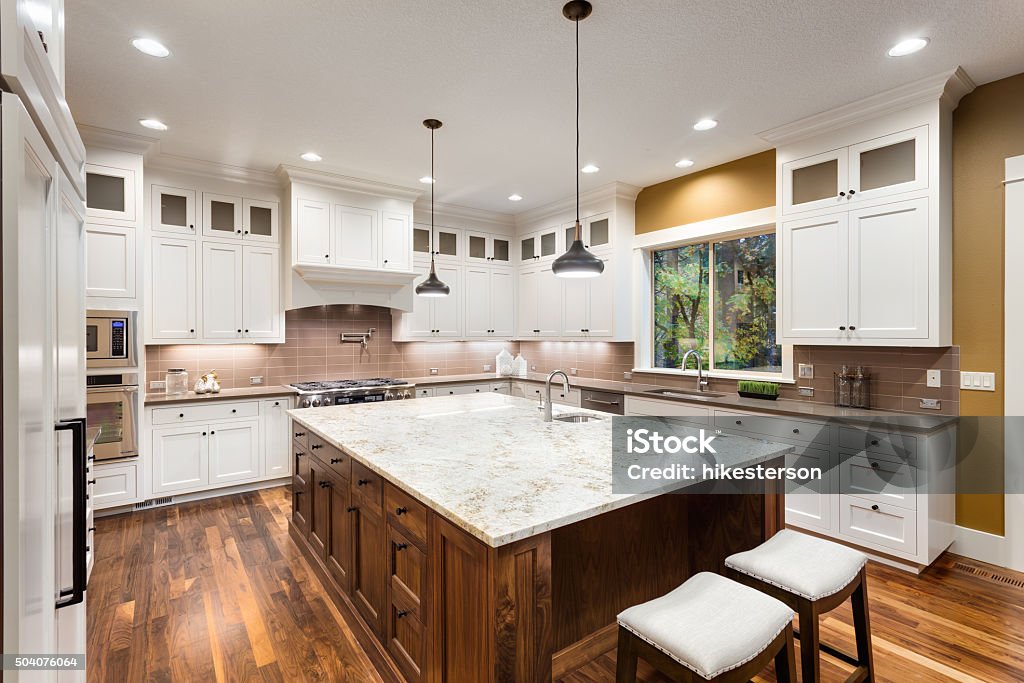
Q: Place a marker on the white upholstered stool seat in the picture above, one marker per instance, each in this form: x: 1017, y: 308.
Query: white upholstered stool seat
x: 710, y: 624
x: 810, y: 567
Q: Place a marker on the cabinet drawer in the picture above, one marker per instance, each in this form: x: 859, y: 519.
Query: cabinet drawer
x: 406, y: 512
x: 427, y: 392
x: 809, y: 502
x: 317, y: 447
x: 653, y: 408
x: 115, y: 485
x: 339, y: 462
x: 367, y: 485
x: 300, y: 435
x: 569, y: 398
x: 786, y: 429
x: 878, y: 480
x: 887, y: 444
x: 205, y: 413
x: 878, y: 524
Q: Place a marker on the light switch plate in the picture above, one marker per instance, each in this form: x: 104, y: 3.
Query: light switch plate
x: 978, y: 381
x: 158, y: 385
x: 488, y: 367
x: 806, y: 371
x: 574, y: 371
x: 433, y: 371
x: 935, y: 378
x: 627, y: 375
x: 256, y: 380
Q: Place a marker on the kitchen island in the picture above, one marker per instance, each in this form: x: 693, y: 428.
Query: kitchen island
x: 466, y: 540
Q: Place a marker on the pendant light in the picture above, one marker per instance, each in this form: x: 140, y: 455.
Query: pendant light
x: 432, y: 286
x: 577, y: 261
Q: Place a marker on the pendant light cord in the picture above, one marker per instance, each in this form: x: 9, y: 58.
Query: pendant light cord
x: 433, y: 181
x: 578, y: 235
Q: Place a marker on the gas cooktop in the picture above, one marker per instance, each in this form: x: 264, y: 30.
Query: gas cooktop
x: 351, y: 391
x: 343, y: 384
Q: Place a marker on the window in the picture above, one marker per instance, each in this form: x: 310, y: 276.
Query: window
x: 719, y: 295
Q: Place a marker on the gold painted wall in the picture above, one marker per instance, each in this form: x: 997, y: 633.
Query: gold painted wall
x: 988, y: 126
x: 734, y: 187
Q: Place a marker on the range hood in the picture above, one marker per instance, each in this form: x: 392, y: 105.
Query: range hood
x: 316, y: 285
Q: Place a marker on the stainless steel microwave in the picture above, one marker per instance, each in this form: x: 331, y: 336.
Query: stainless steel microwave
x: 110, y: 339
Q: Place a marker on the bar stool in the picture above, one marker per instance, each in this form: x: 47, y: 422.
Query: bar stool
x: 708, y: 629
x: 813, y: 576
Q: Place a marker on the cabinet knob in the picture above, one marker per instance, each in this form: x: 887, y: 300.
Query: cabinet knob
x: 875, y: 508
x: 92, y: 529
x: 874, y: 465
x: 234, y: 410
x: 852, y: 328
x: 327, y: 256
x: 385, y: 260
x: 853, y: 192
x: 874, y: 442
x: 363, y: 482
x: 204, y: 433
x: 246, y: 232
x: 401, y: 510
x: 277, y: 403
x: 401, y: 614
x: 212, y: 432
x: 351, y: 508
x: 192, y: 331
x: 238, y: 232
x: 842, y: 327
x: 239, y: 331
x: 192, y: 227
x: 401, y: 546
x: 325, y: 484
x: 181, y: 414
x: 316, y: 446
x: 247, y: 331
x: 842, y: 194
x: 796, y: 430
x: 335, y: 461
x: 91, y: 482
x: 739, y: 422
x: 299, y: 434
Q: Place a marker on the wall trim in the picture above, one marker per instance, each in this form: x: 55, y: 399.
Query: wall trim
x: 736, y: 222
x: 94, y: 136
x: 334, y: 181
x: 457, y: 213
x: 612, y: 190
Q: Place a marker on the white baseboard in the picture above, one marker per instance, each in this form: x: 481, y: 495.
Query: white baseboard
x: 199, y: 495
x: 980, y: 545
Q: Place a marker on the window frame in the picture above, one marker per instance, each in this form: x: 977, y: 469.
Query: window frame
x: 711, y: 231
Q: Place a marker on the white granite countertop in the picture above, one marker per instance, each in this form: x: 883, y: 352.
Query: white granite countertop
x: 488, y: 463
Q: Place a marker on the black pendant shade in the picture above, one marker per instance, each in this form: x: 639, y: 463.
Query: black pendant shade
x: 577, y: 261
x: 432, y: 286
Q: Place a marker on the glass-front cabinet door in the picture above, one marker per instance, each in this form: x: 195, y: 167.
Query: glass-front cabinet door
x: 110, y: 193
x: 598, y: 232
x: 447, y: 244
x: 528, y: 248
x: 889, y: 165
x: 548, y: 243
x: 817, y: 182
x: 173, y: 210
x: 484, y: 248
x: 421, y: 241
x: 259, y: 221
x: 222, y: 215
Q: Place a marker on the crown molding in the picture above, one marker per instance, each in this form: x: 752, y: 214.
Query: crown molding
x: 334, y: 181
x: 612, y: 190
x: 947, y: 88
x: 94, y: 136
x: 212, y: 169
x: 466, y: 213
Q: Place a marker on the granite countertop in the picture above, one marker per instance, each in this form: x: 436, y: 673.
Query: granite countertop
x: 904, y: 421
x: 488, y: 462
x: 225, y: 394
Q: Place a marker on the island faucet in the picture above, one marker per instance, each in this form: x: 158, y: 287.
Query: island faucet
x: 702, y: 384
x: 547, y: 391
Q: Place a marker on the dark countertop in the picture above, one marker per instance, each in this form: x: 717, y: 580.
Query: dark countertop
x: 160, y: 398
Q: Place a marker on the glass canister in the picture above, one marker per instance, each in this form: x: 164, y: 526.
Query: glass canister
x: 176, y: 382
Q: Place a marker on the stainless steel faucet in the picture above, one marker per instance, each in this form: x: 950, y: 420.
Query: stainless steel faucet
x: 702, y: 384
x: 547, y: 391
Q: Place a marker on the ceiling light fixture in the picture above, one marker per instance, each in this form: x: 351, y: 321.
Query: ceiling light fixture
x: 515, y: 197
x: 153, y: 124
x: 908, y: 47
x: 684, y: 163
x: 427, y: 180
x: 432, y: 286
x: 577, y: 261
x: 705, y: 124
x: 150, y: 47
x: 311, y: 156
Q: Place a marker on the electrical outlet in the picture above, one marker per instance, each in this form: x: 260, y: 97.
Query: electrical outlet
x: 574, y: 371
x: 931, y: 404
x: 533, y: 368
x: 805, y: 391
x: 627, y: 375
x: 256, y: 380
x: 158, y: 385
x: 433, y: 371
x: 806, y: 371
x: 978, y: 381
x: 488, y: 367
x: 934, y: 378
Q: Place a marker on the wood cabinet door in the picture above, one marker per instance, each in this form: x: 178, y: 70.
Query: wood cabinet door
x: 312, y: 241
x: 222, y: 291
x: 319, y: 508
x: 300, y: 490
x: 234, y: 451
x: 814, y: 282
x: 368, y: 566
x: 339, y: 549
x: 173, y: 289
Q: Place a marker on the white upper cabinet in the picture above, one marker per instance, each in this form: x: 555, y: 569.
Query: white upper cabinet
x: 260, y: 221
x: 222, y: 291
x: 490, y: 249
x: 396, y: 241
x: 814, y: 279
x: 503, y: 303
x: 222, y: 215
x: 490, y: 302
x: 110, y: 193
x: 173, y: 210
x: 595, y: 231
x: 588, y: 305
x: 262, y: 310
x: 312, y: 231
x: 172, y: 310
x: 355, y: 237
x: 110, y: 259
x: 447, y: 243
x: 542, y: 245
x: 436, y: 317
x: 527, y: 303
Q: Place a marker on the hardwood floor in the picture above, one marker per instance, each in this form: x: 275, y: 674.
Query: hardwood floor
x: 216, y: 591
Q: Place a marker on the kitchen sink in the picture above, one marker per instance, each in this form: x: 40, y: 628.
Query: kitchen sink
x: 683, y: 393
x: 576, y: 418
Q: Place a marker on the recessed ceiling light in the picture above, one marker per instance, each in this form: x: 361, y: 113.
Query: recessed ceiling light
x: 908, y: 47
x: 150, y: 47
x: 515, y: 198
x: 311, y: 156
x: 684, y: 163
x: 705, y: 124
x: 590, y: 168
x: 427, y: 180
x: 153, y: 124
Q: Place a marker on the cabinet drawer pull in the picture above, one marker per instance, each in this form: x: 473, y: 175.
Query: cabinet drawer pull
x: 875, y: 508
x: 796, y: 430
x: 842, y: 327
x: 401, y: 614
x: 316, y: 446
x: 181, y: 414
x: 401, y: 546
x: 401, y: 510
x: 299, y: 454
x: 739, y: 422
x: 299, y: 435
x: 874, y: 442
x: 363, y: 482
x: 91, y: 482
x: 92, y: 529
x: 351, y: 508
x: 234, y: 410
x: 874, y: 465
x: 335, y: 461
x: 325, y: 484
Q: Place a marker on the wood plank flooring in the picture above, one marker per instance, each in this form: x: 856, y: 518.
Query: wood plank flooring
x: 216, y: 591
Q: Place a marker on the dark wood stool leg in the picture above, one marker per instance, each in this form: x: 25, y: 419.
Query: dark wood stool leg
x: 625, y: 658
x: 809, y: 642
x: 862, y: 626
x: 785, y: 660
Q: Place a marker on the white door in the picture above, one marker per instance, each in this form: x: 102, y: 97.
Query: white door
x: 222, y: 291
x: 448, y: 309
x: 180, y: 458
x: 355, y: 237
x: 889, y: 165
x: 575, y: 306
x: 173, y: 289
x: 809, y: 502
x: 526, y: 305
x: 312, y: 231
x: 259, y: 221
x: 816, y: 182
x: 815, y: 283
x: 234, y: 451
x: 478, y: 301
x: 173, y: 209
x: 549, y: 312
x: 275, y: 442
x: 889, y: 271
x: 261, y: 293
x: 110, y: 261
x: 222, y: 215
x: 419, y: 323
x: 396, y: 241
x: 601, y: 303
x: 69, y: 272
x: 503, y: 303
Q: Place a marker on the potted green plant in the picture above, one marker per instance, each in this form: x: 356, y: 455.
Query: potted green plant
x: 768, y: 391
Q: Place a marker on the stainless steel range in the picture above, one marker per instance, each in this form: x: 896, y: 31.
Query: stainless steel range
x: 349, y: 391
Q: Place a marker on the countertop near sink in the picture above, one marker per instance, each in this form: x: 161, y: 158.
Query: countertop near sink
x: 224, y: 395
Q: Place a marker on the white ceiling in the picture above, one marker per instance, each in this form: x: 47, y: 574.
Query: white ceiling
x: 255, y: 84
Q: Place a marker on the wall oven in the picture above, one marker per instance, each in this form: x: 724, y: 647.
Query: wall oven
x: 110, y: 339
x: 112, y: 405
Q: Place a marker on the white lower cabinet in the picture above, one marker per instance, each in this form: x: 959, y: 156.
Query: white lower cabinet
x: 181, y: 458
x: 234, y: 453
x: 807, y: 501
x: 115, y: 484
x: 275, y: 441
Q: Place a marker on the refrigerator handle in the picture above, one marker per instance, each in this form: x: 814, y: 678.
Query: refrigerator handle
x: 77, y: 593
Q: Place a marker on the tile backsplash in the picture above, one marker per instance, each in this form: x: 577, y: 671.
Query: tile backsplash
x: 313, y: 350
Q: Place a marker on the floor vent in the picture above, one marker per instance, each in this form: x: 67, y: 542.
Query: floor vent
x: 991, y: 576
x: 154, y: 502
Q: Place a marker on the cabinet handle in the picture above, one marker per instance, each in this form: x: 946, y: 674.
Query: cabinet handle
x: 246, y: 232
x: 874, y: 442
x: 316, y: 446
x: 239, y: 331
x: 739, y: 422
x: 842, y: 194
x: 299, y: 434
x: 363, y: 482
x: 247, y: 331
x: 212, y: 432
x: 325, y: 484
x: 351, y: 508
x: 842, y: 327
x: 401, y: 546
x: 401, y: 510
x: 234, y: 410
x: 191, y: 227
x: 299, y: 454
x: 874, y: 465
x: 335, y: 461
x: 796, y: 430
x: 277, y: 403
x: 385, y: 260
x: 91, y: 482
x: 852, y: 328
x: 875, y: 508
x: 238, y: 232
x: 401, y: 614
x: 192, y: 331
